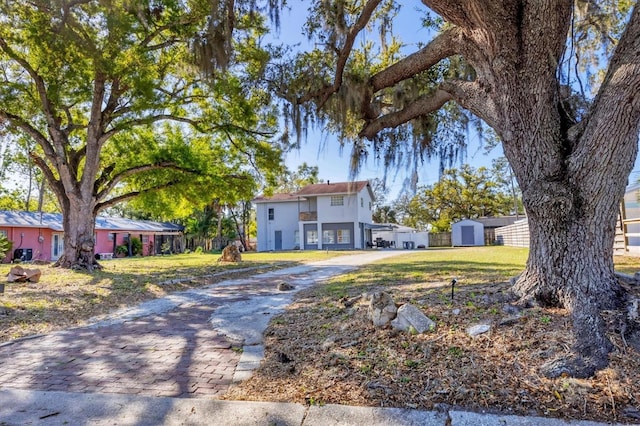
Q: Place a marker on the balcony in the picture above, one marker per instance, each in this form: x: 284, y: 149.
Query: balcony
x: 308, y: 216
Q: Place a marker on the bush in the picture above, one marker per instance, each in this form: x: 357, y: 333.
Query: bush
x: 198, y: 250
x: 136, y: 246
x: 5, y: 246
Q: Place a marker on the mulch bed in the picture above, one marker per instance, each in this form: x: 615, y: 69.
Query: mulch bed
x: 320, y: 351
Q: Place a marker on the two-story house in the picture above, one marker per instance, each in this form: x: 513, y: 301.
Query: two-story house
x: 320, y: 216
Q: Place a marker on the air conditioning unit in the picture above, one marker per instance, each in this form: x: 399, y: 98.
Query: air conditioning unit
x: 24, y: 254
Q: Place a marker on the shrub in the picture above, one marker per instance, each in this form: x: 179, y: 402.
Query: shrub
x: 5, y: 246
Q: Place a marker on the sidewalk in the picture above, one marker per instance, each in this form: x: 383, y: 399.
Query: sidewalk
x: 167, y: 360
x: 19, y: 407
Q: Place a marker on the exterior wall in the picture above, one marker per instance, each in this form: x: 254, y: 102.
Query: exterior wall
x: 105, y: 244
x: 456, y: 233
x: 399, y: 238
x: 37, y: 239
x: 333, y: 229
x: 365, y: 206
x: 348, y: 212
x: 285, y: 219
x: 632, y: 211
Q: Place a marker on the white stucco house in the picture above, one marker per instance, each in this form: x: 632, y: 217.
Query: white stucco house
x: 320, y: 216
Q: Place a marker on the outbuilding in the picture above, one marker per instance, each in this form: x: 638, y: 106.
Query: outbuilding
x: 467, y: 233
x: 400, y: 236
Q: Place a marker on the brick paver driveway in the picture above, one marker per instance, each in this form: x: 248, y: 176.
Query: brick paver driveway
x: 173, y: 350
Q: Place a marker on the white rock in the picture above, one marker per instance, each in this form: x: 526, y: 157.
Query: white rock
x: 478, y: 329
x: 410, y: 316
x: 382, y: 309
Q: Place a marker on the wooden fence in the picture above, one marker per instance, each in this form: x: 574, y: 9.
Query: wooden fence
x: 439, y: 239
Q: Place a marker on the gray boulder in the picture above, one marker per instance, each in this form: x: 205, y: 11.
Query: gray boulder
x: 409, y: 316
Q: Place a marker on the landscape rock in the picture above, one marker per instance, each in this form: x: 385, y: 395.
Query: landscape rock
x: 510, y: 320
x: 408, y: 316
x: 510, y: 309
x: 18, y: 274
x: 382, y: 309
x: 476, y: 330
x: 230, y: 254
x: 283, y: 286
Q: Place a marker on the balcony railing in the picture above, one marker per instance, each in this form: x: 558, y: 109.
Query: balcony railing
x: 308, y: 216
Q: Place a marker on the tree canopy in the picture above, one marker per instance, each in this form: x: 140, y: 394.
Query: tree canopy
x: 107, y: 94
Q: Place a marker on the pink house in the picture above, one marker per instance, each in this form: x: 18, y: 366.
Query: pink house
x: 39, y: 236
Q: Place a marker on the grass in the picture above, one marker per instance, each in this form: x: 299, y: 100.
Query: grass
x: 64, y: 298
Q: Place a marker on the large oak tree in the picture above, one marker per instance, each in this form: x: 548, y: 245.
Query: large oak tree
x: 513, y: 64
x: 94, y: 85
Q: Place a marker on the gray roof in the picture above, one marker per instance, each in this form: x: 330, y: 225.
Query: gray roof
x: 498, y: 221
x: 20, y: 219
x: 336, y: 188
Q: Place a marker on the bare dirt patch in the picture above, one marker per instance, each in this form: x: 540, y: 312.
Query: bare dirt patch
x: 320, y: 351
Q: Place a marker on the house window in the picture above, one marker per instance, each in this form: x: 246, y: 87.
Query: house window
x: 3, y: 232
x: 296, y: 238
x: 271, y: 214
x: 111, y: 235
x: 337, y: 200
x: 312, y: 237
x: 344, y: 236
x: 328, y: 237
x: 369, y: 205
x: 145, y: 239
x: 361, y: 202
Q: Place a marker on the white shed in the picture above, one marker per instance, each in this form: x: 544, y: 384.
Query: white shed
x: 467, y: 232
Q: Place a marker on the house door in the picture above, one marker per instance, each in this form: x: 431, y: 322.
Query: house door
x: 57, y: 246
x: 278, y: 240
x: 467, y: 236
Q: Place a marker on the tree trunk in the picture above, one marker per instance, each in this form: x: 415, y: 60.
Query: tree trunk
x: 79, y: 229
x: 571, y: 265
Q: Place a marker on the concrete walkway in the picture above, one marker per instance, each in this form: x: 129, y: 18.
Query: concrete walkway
x: 165, y: 362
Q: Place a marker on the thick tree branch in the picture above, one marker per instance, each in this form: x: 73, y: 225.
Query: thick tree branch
x: 109, y: 186
x: 471, y: 96
x: 421, y: 106
x: 325, y: 93
x: 124, y: 197
x: 20, y: 123
x: 444, y: 45
x: 617, y: 106
x: 50, y: 177
x: 120, y: 198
